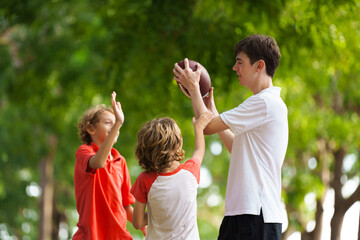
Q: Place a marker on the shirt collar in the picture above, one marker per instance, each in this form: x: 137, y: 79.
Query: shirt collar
x: 109, y: 164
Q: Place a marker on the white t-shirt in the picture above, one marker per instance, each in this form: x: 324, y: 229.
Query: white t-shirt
x: 171, y: 201
x: 261, y: 134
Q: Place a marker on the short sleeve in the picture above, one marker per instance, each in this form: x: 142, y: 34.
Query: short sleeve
x: 82, y: 156
x: 142, y: 186
x: 193, y: 166
x: 248, y: 115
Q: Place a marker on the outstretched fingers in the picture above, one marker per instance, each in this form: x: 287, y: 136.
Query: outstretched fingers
x: 113, y: 99
x: 177, y: 72
x: 119, y: 115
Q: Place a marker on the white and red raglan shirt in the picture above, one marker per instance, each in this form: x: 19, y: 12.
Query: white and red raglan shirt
x: 171, y: 201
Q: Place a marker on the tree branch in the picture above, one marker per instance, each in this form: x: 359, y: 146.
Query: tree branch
x: 336, y: 181
x: 353, y: 198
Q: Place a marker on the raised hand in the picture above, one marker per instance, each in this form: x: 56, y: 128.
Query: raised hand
x: 203, y: 120
x: 210, y: 103
x: 187, y: 77
x: 119, y: 115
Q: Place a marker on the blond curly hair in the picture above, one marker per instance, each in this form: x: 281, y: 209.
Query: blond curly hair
x: 159, y: 143
x: 90, y: 118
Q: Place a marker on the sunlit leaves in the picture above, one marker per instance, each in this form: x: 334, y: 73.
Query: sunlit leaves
x: 65, y: 56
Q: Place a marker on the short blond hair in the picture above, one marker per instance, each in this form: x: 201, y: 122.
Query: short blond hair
x: 159, y: 143
x: 90, y: 118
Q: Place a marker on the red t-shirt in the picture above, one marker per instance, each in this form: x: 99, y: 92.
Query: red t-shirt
x: 101, y: 195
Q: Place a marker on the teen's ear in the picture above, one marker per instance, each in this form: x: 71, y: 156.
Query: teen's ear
x: 261, y: 64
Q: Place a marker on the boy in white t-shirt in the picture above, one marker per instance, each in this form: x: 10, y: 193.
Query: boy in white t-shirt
x: 168, y: 188
x: 256, y: 135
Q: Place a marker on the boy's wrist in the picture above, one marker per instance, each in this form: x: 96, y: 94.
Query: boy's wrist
x: 194, y: 89
x: 118, y: 124
x: 198, y: 130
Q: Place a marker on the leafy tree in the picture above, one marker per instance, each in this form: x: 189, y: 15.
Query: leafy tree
x: 59, y: 58
x: 324, y: 109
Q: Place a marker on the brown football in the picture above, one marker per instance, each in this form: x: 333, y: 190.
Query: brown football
x: 205, y: 81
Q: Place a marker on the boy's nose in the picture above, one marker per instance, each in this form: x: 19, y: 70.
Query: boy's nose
x: 234, y: 67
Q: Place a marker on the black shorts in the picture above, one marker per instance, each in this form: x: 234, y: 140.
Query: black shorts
x: 248, y: 227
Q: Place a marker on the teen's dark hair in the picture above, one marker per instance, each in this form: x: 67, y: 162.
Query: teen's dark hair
x: 260, y: 47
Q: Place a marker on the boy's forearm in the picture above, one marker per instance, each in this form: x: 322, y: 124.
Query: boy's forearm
x: 139, y: 218
x: 105, y: 148
x: 227, y: 137
x: 199, y: 149
x: 129, y: 212
x: 197, y: 102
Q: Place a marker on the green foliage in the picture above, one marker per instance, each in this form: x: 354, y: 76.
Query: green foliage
x: 60, y: 57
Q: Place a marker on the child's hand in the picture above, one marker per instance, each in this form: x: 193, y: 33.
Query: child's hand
x: 209, y: 102
x: 119, y: 115
x: 202, y: 121
x: 199, y: 126
x: 144, y: 229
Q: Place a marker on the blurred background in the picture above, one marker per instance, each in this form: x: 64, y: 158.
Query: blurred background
x: 58, y: 58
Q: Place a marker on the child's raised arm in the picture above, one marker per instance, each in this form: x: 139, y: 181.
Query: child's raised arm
x: 99, y: 160
x: 199, y: 126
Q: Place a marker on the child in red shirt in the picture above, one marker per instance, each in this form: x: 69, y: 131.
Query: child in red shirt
x: 101, y: 177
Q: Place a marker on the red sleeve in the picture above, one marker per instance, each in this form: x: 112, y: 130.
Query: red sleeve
x: 127, y: 197
x: 82, y: 156
x: 142, y: 186
x: 193, y: 166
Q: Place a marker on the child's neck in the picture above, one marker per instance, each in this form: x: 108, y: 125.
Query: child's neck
x: 174, y: 165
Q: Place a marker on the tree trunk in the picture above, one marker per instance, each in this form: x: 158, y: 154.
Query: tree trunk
x: 324, y: 174
x: 316, y: 233
x: 336, y: 221
x: 306, y: 236
x: 58, y: 218
x: 319, y: 219
x: 341, y: 204
x: 336, y: 224
x: 287, y: 233
x: 359, y: 227
x: 47, y: 186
